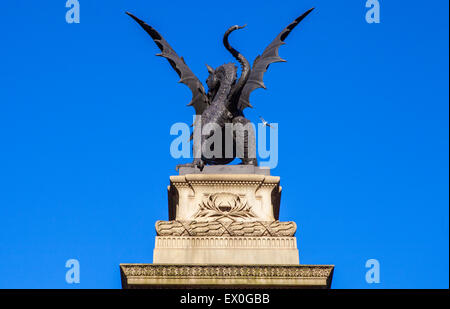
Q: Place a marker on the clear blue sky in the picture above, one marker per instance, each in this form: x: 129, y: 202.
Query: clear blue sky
x: 85, y: 113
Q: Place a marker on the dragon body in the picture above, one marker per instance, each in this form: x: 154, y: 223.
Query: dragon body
x: 227, y: 95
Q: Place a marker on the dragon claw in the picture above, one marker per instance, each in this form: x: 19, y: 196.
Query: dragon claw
x: 197, y: 163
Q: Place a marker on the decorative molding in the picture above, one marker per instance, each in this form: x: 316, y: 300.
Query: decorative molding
x: 224, y: 205
x: 142, y: 275
x: 225, y: 242
x: 151, y: 270
x: 219, y: 228
x: 251, y: 197
x: 225, y: 179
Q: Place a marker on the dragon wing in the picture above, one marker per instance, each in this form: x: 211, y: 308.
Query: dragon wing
x: 199, y: 99
x: 262, y: 62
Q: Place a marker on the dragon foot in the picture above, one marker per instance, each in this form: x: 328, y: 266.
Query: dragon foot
x: 248, y: 161
x: 197, y: 163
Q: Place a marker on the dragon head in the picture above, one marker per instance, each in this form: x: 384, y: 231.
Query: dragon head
x: 212, y: 81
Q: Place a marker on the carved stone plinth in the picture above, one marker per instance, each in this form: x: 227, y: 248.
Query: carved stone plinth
x: 226, y: 276
x: 232, y: 197
x: 226, y: 228
x: 223, y: 231
x: 226, y: 250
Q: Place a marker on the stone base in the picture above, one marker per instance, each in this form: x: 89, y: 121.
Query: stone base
x: 211, y: 250
x: 225, y: 276
x: 238, y: 197
x: 226, y: 169
x: 224, y: 232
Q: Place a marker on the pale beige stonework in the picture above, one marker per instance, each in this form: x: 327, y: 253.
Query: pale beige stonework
x: 226, y: 228
x: 226, y: 250
x: 223, y: 231
x: 226, y: 276
x: 260, y: 193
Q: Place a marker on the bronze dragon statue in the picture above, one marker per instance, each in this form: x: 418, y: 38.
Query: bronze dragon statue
x: 227, y: 96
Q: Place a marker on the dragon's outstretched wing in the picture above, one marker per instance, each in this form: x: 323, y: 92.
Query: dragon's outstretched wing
x: 262, y: 62
x: 199, y: 99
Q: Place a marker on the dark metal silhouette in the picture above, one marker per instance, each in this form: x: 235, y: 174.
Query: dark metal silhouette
x: 227, y: 96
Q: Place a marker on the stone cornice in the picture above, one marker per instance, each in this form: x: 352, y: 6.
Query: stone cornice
x: 265, y: 276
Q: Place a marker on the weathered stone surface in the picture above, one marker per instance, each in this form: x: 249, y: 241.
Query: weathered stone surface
x: 223, y: 232
x: 226, y: 276
x: 226, y: 250
x: 220, y: 228
x: 233, y: 197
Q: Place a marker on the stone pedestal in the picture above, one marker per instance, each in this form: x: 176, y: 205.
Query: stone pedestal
x: 210, y: 250
x: 226, y: 276
x: 223, y: 231
x: 224, y: 198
